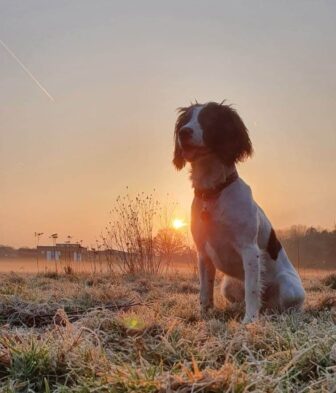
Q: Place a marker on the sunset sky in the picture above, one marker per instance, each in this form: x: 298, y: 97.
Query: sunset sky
x: 117, y: 72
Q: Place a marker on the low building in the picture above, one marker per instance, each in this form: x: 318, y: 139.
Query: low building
x: 62, y: 251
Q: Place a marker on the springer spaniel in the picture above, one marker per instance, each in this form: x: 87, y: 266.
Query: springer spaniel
x: 230, y: 230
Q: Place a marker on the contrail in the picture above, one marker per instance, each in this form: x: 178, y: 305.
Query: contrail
x: 27, y: 71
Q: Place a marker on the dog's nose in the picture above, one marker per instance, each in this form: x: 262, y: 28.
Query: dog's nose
x: 185, y: 134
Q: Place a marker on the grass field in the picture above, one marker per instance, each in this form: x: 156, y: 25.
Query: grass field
x: 101, y: 333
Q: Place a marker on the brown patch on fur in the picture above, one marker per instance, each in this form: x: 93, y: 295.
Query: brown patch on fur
x: 225, y: 133
x: 273, y: 245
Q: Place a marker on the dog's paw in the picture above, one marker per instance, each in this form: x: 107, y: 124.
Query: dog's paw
x: 250, y: 319
x: 206, y: 311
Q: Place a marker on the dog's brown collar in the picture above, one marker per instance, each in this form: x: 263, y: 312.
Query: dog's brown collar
x: 213, y: 193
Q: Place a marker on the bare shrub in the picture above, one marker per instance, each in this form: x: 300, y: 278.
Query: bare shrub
x: 132, y: 241
x: 68, y: 269
x: 168, y: 243
x: 129, y: 235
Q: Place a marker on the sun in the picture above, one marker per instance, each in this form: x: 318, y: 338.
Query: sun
x: 177, y: 223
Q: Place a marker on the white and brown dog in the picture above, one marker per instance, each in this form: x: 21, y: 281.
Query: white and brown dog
x: 230, y: 230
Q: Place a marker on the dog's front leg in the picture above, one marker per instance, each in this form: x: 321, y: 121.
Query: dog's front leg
x: 207, y: 272
x: 251, y: 262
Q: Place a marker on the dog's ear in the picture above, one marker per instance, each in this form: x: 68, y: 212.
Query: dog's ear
x: 178, y: 159
x: 228, y: 138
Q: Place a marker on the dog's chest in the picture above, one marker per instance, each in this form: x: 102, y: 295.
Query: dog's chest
x: 213, y: 236
x: 225, y: 258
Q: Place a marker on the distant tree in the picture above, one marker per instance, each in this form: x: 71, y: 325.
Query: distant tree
x: 310, y: 247
x: 7, y: 251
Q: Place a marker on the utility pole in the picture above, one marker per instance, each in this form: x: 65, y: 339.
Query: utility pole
x: 68, y: 242
x: 54, y: 237
x: 37, y: 240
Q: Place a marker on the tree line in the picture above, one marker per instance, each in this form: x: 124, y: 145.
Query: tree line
x: 310, y: 247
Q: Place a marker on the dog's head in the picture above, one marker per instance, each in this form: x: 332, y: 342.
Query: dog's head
x: 210, y: 128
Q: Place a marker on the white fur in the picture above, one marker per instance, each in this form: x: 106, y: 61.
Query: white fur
x: 235, y: 242
x: 197, y: 136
